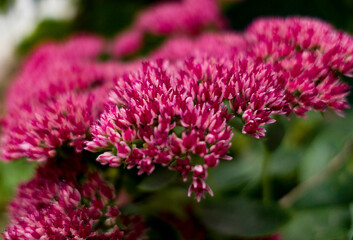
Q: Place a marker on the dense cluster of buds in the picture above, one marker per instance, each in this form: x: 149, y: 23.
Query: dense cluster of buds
x: 173, y: 112
x: 160, y: 124
x: 69, y: 93
x: 254, y: 90
x: 310, y: 54
x: 64, y: 201
x: 173, y: 108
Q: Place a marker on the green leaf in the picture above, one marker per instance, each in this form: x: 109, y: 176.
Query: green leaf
x: 242, y: 173
x: 350, y: 234
x: 325, y: 146
x: 106, y: 17
x: 11, y: 174
x: 158, y: 179
x: 47, y: 29
x: 285, y: 160
x: 243, y: 217
x: 5, y: 5
x: 335, y: 190
x: 318, y: 224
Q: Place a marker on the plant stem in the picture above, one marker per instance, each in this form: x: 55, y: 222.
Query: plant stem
x: 336, y: 163
x: 350, y: 233
x: 265, y: 178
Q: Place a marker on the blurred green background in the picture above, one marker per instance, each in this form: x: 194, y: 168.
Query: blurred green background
x: 321, y: 213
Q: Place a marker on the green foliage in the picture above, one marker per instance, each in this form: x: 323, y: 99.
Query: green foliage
x: 350, y: 234
x: 318, y: 224
x: 242, y: 174
x: 158, y: 179
x: 326, y: 145
x: 103, y: 17
x: 46, y: 30
x: 11, y: 175
x: 4, y: 4
x: 106, y: 17
x: 243, y: 217
x: 332, y: 191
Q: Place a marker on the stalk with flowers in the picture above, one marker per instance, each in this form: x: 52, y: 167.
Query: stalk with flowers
x: 114, y: 138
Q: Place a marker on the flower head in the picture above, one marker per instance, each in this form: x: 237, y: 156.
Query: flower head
x: 174, y: 115
x: 57, y: 204
x: 311, y: 55
x: 188, y: 16
x: 207, y: 44
x: 254, y: 90
x: 127, y: 43
x: 153, y: 119
x: 68, y: 95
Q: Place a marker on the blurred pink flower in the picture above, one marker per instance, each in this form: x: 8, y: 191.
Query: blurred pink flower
x: 168, y: 18
x: 187, y: 16
x: 215, y: 44
x: 58, y: 93
x: 127, y: 43
x: 57, y: 204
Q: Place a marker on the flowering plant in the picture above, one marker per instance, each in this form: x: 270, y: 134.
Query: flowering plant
x: 120, y: 143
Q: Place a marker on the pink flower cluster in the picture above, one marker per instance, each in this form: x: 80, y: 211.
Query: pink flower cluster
x: 154, y: 120
x: 208, y: 44
x: 42, y: 130
x: 174, y: 115
x: 57, y: 95
x: 267, y: 71
x: 188, y: 16
x: 311, y: 55
x: 182, y: 17
x: 127, y: 43
x: 174, y: 110
x: 64, y: 202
